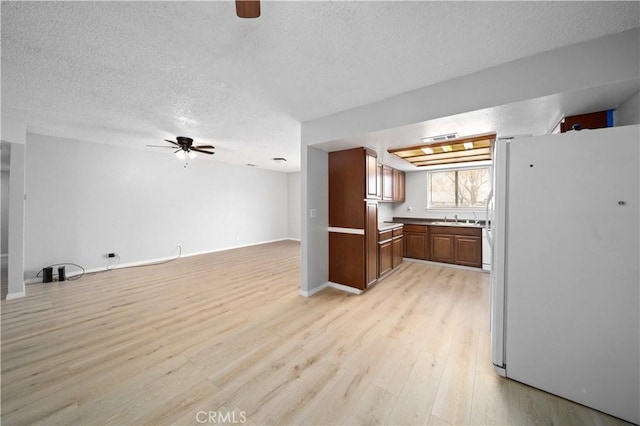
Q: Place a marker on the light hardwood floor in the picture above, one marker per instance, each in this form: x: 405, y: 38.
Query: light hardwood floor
x: 228, y: 333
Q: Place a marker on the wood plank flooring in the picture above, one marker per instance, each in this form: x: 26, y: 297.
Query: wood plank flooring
x: 226, y: 334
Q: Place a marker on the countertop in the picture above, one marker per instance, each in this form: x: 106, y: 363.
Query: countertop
x: 437, y: 222
x: 385, y: 226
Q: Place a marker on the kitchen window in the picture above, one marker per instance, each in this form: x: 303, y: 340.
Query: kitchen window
x: 466, y: 188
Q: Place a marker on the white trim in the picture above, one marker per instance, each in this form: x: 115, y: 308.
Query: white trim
x: 217, y: 250
x: 448, y: 265
x: 314, y: 290
x: 151, y: 261
x: 344, y: 288
x: 293, y: 239
x: 337, y: 286
x: 19, y: 295
x: 354, y: 231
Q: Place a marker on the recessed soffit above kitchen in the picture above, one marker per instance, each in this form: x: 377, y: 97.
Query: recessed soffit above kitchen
x: 460, y: 150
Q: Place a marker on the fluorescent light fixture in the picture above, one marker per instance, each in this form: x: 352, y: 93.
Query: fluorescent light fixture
x: 446, y: 148
x: 181, y: 155
x: 427, y: 150
x: 468, y: 145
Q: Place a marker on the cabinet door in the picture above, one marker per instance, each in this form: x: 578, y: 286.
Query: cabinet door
x: 385, y: 257
x: 398, y: 251
x: 379, y: 190
x: 401, y: 186
x: 442, y: 248
x: 387, y: 183
x: 398, y: 185
x: 347, y: 260
x: 468, y: 251
x: 371, y: 174
x: 415, y: 245
x: 371, y: 238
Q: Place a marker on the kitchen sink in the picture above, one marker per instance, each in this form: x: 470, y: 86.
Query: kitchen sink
x: 455, y: 224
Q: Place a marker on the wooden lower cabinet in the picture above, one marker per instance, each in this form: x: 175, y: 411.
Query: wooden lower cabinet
x: 385, y: 257
x: 416, y: 245
x: 371, y: 249
x: 468, y: 250
x: 442, y: 248
x: 390, y: 250
x: 398, y: 251
x: 447, y: 244
x: 347, y: 259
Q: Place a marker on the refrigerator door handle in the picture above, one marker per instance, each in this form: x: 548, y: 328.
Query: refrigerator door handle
x: 488, y: 218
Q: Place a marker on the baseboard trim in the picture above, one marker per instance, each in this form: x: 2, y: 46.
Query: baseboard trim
x: 331, y: 284
x: 11, y: 296
x: 344, y: 288
x: 446, y: 265
x: 314, y: 290
x: 150, y: 262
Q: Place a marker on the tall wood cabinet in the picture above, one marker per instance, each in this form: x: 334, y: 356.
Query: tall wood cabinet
x: 353, y: 217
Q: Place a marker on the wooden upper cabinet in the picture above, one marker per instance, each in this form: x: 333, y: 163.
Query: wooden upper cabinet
x: 593, y: 120
x: 353, y: 177
x: 398, y: 185
x: 371, y: 176
x: 387, y: 183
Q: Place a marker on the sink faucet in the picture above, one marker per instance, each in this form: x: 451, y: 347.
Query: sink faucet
x: 455, y: 217
x: 476, y: 218
x: 445, y: 219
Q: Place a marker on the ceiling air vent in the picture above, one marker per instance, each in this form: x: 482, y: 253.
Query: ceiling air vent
x: 440, y: 138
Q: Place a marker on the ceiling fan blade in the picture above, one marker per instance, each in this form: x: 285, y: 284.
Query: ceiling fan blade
x: 175, y: 143
x: 248, y: 8
x: 204, y: 146
x: 161, y: 146
x: 202, y: 151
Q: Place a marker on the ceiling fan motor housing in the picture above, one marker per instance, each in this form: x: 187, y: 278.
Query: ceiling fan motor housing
x: 185, y: 142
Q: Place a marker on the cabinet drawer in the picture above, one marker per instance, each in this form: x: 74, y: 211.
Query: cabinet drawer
x: 416, y: 228
x: 385, y: 235
x: 397, y: 232
x: 456, y: 230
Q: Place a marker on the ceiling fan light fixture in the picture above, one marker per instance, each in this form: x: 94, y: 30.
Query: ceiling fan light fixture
x: 181, y: 155
x: 191, y: 155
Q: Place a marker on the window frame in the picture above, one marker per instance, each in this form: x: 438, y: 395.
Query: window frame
x: 455, y: 169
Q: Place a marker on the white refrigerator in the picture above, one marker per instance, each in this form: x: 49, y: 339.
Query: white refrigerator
x: 565, y: 286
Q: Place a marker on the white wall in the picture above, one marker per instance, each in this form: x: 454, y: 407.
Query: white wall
x: 416, y: 198
x: 386, y: 211
x: 628, y: 113
x: 5, y: 212
x: 85, y: 200
x: 584, y: 65
x: 294, y: 205
x: 315, y: 231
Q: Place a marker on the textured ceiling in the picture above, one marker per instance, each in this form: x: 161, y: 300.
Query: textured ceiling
x: 137, y: 72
